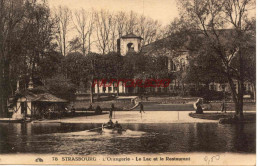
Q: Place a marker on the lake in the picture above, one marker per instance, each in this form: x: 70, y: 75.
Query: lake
x: 62, y: 138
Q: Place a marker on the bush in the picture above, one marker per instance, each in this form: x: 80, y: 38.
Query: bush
x: 62, y: 88
x: 213, y: 95
x: 208, y: 95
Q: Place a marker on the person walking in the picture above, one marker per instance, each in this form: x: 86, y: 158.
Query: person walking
x: 141, y: 109
x: 223, y: 107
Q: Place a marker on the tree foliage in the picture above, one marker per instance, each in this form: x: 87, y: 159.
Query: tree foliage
x: 227, y: 32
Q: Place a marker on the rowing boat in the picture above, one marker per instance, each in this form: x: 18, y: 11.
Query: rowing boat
x: 112, y: 129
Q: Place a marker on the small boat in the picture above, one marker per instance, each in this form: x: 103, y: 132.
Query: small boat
x: 112, y: 129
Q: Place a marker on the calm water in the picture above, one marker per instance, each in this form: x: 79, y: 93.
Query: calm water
x: 139, y: 138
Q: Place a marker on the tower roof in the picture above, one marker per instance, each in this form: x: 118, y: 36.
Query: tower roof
x: 131, y: 35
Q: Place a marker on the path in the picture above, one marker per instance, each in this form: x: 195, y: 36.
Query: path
x: 135, y: 117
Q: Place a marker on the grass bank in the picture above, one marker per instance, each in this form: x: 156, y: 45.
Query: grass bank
x: 248, y: 117
x: 105, y: 105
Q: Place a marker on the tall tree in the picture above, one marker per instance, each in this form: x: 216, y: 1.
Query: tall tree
x: 11, y: 14
x: 211, y: 17
x: 25, y: 38
x: 132, y: 21
x: 74, y: 45
x: 148, y: 29
x: 103, y: 24
x: 84, y: 24
x: 121, y: 23
x: 63, y: 16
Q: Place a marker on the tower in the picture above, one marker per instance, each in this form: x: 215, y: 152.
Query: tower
x: 129, y: 43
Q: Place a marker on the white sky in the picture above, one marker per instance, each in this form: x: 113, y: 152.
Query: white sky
x: 163, y: 10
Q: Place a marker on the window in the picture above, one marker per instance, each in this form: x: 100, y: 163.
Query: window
x: 130, y: 46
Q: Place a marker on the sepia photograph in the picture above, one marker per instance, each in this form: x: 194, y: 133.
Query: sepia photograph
x: 128, y: 82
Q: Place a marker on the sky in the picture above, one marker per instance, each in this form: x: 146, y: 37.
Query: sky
x: 162, y: 10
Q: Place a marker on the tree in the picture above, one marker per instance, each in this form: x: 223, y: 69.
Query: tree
x: 10, y: 18
x: 112, y: 47
x: 131, y: 22
x: 74, y: 44
x: 121, y: 23
x: 26, y: 32
x: 37, y: 36
x: 73, y: 67
x: 50, y: 66
x: 210, y: 18
x: 103, y: 24
x: 63, y: 16
x: 83, y: 23
x: 61, y: 87
x: 148, y: 29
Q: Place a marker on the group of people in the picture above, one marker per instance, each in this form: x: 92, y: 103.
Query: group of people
x: 110, y: 124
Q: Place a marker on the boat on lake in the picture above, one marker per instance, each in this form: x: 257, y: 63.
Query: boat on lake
x: 112, y: 128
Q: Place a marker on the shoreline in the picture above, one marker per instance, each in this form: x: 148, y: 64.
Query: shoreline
x: 134, y: 117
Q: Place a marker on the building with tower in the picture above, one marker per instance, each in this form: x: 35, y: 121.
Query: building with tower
x: 177, y: 61
x: 129, y: 43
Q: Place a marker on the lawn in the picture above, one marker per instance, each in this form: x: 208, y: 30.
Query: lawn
x: 105, y: 105
x: 170, y: 99
x: 231, y: 106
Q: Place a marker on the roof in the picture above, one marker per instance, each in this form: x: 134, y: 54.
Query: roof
x: 160, y: 45
x: 47, y: 97
x: 131, y: 35
x: 183, y: 46
x: 41, y: 96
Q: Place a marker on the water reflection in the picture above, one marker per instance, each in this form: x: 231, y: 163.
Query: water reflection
x: 139, y: 138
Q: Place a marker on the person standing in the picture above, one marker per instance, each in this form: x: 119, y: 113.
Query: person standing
x: 141, y: 109
x: 111, y: 111
x: 223, y: 107
x: 73, y: 110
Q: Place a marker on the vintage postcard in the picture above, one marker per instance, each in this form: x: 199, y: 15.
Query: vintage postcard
x: 128, y: 82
